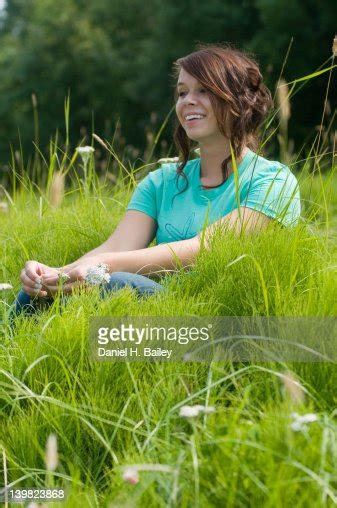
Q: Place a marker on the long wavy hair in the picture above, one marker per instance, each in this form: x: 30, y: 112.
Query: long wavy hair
x: 234, y: 83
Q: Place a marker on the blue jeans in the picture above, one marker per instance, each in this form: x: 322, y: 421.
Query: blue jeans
x: 118, y: 280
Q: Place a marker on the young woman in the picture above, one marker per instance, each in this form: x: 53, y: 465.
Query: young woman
x: 221, y: 103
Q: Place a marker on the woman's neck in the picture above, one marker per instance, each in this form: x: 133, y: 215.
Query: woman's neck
x: 211, y: 159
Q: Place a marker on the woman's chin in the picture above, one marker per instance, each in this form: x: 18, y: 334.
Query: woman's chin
x: 193, y: 136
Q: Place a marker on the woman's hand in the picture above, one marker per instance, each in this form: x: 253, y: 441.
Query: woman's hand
x: 31, y: 277
x: 76, y: 273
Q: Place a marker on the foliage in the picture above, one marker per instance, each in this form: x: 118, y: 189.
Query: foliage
x: 116, y: 62
x: 110, y: 415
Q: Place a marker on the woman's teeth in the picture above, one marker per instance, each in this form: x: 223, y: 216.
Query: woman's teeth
x: 194, y: 117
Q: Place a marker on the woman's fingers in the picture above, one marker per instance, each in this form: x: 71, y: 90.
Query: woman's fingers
x: 54, y: 280
x: 35, y: 291
x: 65, y: 288
x: 50, y: 280
x: 33, y: 270
x: 27, y: 281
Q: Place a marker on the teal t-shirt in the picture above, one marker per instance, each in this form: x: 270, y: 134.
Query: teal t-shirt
x: 266, y: 186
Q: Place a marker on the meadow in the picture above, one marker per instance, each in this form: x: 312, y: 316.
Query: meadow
x: 118, y: 434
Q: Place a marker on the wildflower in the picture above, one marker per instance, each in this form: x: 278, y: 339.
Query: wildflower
x: 85, y: 152
x: 4, y: 286
x: 168, y: 159
x: 300, y: 421
x: 51, y: 457
x: 192, y: 411
x: 96, y: 275
x: 130, y: 475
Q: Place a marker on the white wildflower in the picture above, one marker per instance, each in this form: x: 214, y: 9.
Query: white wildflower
x: 85, y: 152
x: 130, y: 475
x: 96, y: 275
x: 168, y: 159
x: 192, y: 411
x: 4, y: 286
x: 299, y: 421
x: 51, y: 457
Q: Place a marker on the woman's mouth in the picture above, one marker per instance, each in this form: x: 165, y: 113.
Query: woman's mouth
x: 192, y: 119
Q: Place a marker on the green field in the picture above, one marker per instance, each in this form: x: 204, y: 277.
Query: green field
x: 108, y: 416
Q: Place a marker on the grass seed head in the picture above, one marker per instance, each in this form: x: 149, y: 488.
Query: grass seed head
x: 56, y: 191
x: 293, y: 388
x: 193, y: 411
x: 51, y: 456
x: 334, y: 46
x: 283, y: 100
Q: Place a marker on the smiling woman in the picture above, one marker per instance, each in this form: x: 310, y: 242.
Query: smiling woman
x: 221, y: 103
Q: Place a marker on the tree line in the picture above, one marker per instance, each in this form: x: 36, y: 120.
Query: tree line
x: 114, y: 59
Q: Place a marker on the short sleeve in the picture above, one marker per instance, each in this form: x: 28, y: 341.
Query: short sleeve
x: 277, y: 195
x: 145, y: 196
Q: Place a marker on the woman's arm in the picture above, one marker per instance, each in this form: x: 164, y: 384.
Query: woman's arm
x: 170, y: 255
x: 167, y: 256
x: 135, y: 231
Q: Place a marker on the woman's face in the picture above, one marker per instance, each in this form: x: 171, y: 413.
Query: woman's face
x: 193, y: 98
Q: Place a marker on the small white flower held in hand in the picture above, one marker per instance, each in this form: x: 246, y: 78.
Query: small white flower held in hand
x: 300, y: 421
x: 63, y: 277
x: 192, y: 411
x: 131, y: 475
x: 96, y: 275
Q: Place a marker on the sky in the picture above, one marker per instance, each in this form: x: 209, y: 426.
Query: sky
x: 2, y: 4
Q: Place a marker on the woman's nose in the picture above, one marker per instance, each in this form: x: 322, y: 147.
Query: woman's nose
x: 190, y: 98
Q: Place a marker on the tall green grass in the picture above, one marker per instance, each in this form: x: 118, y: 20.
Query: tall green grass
x: 110, y: 415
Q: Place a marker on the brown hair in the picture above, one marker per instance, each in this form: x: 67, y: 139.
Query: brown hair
x: 234, y: 82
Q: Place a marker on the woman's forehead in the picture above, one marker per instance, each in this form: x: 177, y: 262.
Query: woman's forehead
x: 186, y: 79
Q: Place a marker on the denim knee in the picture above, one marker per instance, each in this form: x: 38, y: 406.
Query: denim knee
x: 23, y: 302
x: 142, y: 284
x: 28, y: 305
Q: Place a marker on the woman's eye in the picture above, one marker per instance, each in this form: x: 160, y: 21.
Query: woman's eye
x: 181, y: 94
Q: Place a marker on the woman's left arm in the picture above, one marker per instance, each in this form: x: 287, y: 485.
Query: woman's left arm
x: 167, y: 256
